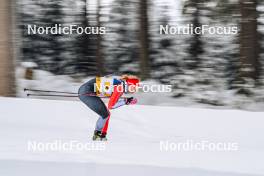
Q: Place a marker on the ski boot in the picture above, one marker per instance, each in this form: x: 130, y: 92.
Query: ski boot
x: 99, y: 136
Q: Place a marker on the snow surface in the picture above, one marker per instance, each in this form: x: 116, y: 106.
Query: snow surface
x: 134, y: 140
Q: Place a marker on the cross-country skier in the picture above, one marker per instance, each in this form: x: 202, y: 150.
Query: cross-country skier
x: 91, y: 92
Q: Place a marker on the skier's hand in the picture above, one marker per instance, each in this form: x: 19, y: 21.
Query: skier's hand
x: 131, y: 100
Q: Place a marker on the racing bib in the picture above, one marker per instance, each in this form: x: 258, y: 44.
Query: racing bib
x: 104, y: 86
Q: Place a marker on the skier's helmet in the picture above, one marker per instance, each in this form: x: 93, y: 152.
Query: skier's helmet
x: 132, y: 85
x: 132, y: 81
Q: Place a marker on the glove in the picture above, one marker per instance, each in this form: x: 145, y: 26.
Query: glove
x: 131, y: 100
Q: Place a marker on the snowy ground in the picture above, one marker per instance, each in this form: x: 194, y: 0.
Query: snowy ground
x: 134, y: 140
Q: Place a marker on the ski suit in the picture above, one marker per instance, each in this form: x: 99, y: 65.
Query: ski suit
x: 102, y: 86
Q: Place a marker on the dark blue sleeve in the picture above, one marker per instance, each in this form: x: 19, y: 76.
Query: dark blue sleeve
x: 117, y: 81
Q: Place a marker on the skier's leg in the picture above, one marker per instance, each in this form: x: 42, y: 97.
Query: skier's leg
x: 98, y: 106
x: 93, y: 102
x: 100, y: 123
x: 105, y: 127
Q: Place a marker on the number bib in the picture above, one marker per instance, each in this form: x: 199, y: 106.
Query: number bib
x: 104, y: 86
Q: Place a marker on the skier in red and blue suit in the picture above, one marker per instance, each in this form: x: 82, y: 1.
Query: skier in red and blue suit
x: 92, y: 91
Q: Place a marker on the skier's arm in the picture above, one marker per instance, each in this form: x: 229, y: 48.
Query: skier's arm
x: 115, y: 97
x: 119, y: 103
x: 124, y: 101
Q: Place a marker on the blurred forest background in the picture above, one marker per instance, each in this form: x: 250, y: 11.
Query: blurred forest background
x: 204, y: 67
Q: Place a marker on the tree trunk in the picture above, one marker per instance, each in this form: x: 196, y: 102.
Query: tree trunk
x: 7, y: 81
x: 144, y: 40
x: 196, y: 45
x: 99, y: 56
x: 249, y: 41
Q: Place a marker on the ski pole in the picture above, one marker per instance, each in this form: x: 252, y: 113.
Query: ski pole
x: 51, y: 91
x: 50, y: 95
x: 54, y: 95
